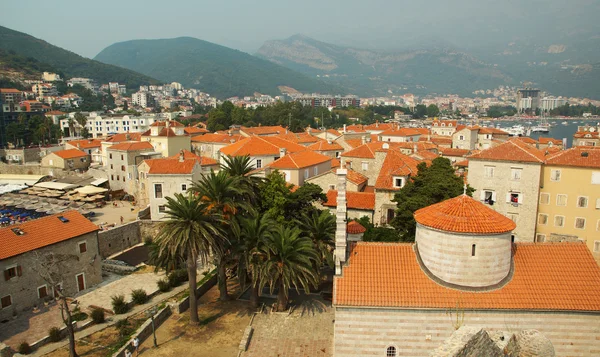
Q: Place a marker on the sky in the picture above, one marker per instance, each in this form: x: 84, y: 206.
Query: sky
x: 86, y: 27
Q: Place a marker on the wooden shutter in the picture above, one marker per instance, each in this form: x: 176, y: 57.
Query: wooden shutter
x: 6, y: 275
x: 19, y: 271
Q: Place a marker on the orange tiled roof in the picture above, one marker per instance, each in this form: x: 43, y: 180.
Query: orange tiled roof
x: 117, y: 138
x: 325, y: 146
x: 353, y: 143
x: 356, y: 177
x: 526, y: 140
x: 299, y: 160
x: 193, y: 130
x: 546, y: 141
x: 422, y: 131
x: 263, y: 130
x: 425, y: 155
x: 261, y: 146
x: 335, y: 163
x: 164, y: 123
x: 447, y: 123
x: 334, y: 132
x: 9, y: 90
x: 490, y: 130
x: 85, y: 143
x: 55, y: 112
x: 299, y: 138
x: 169, y: 166
x: 203, y: 160
x: 354, y: 227
x: 549, y: 276
x: 365, y: 151
x: 463, y: 163
x: 511, y: 150
x: 464, y: 214
x: 400, y: 132
x: 588, y: 134
x: 579, y: 156
x: 395, y: 164
x: 454, y: 152
x: 70, y: 153
x: 43, y: 232
x: 354, y: 200
x: 217, y: 138
x: 132, y: 146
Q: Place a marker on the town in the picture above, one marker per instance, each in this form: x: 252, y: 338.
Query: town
x: 304, y: 224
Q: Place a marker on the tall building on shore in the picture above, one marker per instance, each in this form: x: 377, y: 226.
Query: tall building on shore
x: 528, y: 98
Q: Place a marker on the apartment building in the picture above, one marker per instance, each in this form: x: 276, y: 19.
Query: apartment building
x: 42, y: 90
x: 167, y: 137
x: 102, y: 126
x: 569, y: 201
x: 121, y: 163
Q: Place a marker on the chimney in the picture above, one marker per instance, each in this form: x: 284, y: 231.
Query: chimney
x: 127, y: 137
x: 415, y: 149
x: 329, y: 141
x: 167, y: 123
x: 282, y: 152
x: 79, y: 145
x: 363, y: 140
x: 181, y: 156
x: 344, y: 128
x: 230, y: 133
x: 341, y: 245
x: 377, y: 124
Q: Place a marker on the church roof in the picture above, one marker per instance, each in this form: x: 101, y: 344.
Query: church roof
x: 546, y: 277
x: 463, y: 214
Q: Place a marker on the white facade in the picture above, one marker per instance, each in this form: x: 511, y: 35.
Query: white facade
x: 99, y: 126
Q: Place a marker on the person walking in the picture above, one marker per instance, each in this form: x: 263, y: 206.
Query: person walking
x: 136, y: 346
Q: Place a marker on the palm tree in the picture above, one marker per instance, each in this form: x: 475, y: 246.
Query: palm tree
x: 289, y: 262
x: 191, y: 234
x: 71, y: 123
x: 319, y: 226
x: 241, y: 166
x: 253, y: 234
x: 222, y: 194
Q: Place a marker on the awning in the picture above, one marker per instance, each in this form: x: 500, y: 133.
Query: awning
x: 98, y: 182
x: 56, y: 185
x: 90, y: 190
x: 19, y: 179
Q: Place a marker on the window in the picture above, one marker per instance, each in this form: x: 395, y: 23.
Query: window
x: 315, y: 171
x: 390, y: 351
x: 561, y: 200
x: 555, y: 175
x: 332, y: 187
x: 118, y: 178
x: 580, y: 223
x: 110, y: 157
x: 162, y: 208
x: 305, y: 173
x: 398, y: 182
x: 111, y: 166
x: 559, y: 221
x: 515, y: 174
x: 12, y: 272
x: 365, y: 166
x: 582, y: 202
x: 596, y: 178
x: 183, y: 187
x: 514, y: 198
x: 461, y: 137
x: 488, y: 197
x: 122, y: 157
x: 540, y: 238
x: 542, y: 219
x: 258, y: 163
x: 112, y: 177
x: 544, y: 198
x: 129, y: 175
x: 6, y: 301
x: 158, y: 191
x: 82, y: 247
x: 596, y: 246
x: 473, y: 248
x: 489, y: 171
x: 122, y: 167
x: 42, y: 291
x: 123, y: 178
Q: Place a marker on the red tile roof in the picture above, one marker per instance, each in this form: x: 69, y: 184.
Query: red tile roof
x: 364, y: 151
x: 549, y: 276
x: 164, y: 123
x: 261, y: 146
x: 299, y: 138
x: 323, y: 145
x: 403, y: 132
x: 464, y: 214
x: 355, y: 177
x: 354, y: 200
x: 463, y: 163
x: 447, y: 123
x: 586, y: 134
x: 546, y: 141
x: 299, y: 160
x: 493, y: 131
x: 117, y: 138
x: 54, y: 112
x: 132, y: 146
x: 395, y: 164
x: 168, y: 166
x: 354, y: 227
x: 70, y: 153
x: 511, y: 150
x: 217, y: 138
x: 9, y: 90
x: 85, y: 143
x: 425, y: 155
x: 203, y: 160
x: 526, y: 140
x: 42, y: 232
x: 579, y: 156
x: 263, y: 130
x: 193, y: 130
x: 453, y: 152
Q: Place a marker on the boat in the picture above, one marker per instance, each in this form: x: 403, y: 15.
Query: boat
x: 516, y: 130
x: 542, y: 127
x: 565, y: 123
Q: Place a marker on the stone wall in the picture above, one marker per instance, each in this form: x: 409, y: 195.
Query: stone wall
x: 119, y: 238
x: 145, y: 331
x: 148, y: 229
x: 369, y: 331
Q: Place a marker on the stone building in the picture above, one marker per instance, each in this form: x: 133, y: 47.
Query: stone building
x: 121, y: 163
x: 209, y: 145
x: 167, y: 137
x: 300, y: 166
x: 67, y: 160
x: 399, y: 299
x: 328, y: 148
x: 262, y: 150
x: 443, y: 127
x: 69, y: 235
x: 507, y: 178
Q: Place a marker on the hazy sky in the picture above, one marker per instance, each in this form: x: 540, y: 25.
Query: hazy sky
x: 86, y: 27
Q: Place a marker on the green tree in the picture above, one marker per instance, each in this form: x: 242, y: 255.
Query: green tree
x: 274, y: 194
x: 222, y: 193
x: 319, y: 226
x: 191, y: 233
x: 420, y: 111
x: 432, y: 184
x: 289, y: 262
x: 432, y: 111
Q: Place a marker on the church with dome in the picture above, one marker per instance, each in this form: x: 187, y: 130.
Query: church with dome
x: 403, y: 299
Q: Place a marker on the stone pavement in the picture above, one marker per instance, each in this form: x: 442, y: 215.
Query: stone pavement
x: 102, y: 295
x: 30, y: 326
x: 306, y: 332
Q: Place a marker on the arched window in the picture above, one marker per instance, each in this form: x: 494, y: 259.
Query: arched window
x: 390, y: 352
x: 473, y: 247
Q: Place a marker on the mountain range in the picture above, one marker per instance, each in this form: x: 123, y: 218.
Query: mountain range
x: 218, y: 70
x: 559, y: 69
x: 64, y: 62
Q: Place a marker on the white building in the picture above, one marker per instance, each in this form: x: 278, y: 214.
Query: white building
x: 550, y: 103
x: 142, y: 99
x: 102, y: 126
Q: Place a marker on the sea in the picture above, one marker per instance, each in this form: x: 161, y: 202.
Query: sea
x: 557, y: 129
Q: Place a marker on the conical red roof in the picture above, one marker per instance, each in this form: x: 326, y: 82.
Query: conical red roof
x: 463, y: 214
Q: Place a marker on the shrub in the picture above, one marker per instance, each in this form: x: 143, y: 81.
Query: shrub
x: 119, y: 304
x: 24, y: 348
x: 139, y: 296
x: 79, y: 316
x: 177, y: 277
x: 54, y: 334
x: 125, y: 329
x: 163, y: 285
x: 98, y: 316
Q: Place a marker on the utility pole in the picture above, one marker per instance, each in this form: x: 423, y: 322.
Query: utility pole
x: 290, y: 121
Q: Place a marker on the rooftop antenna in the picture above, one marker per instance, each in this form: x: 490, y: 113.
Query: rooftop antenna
x: 465, y: 189
x: 290, y: 121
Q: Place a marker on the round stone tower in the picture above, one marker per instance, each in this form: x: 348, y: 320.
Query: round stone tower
x: 465, y: 243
